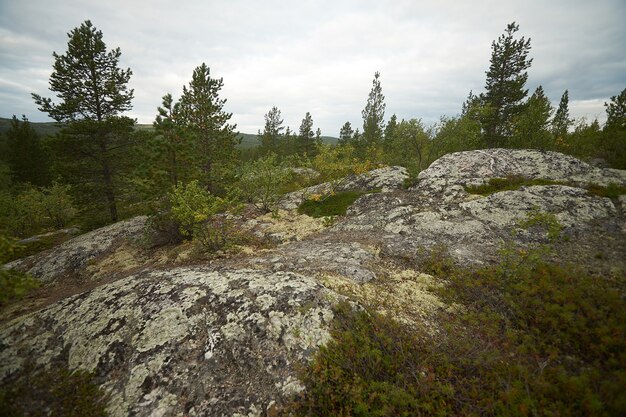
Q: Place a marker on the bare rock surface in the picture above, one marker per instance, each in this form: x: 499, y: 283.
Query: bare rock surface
x: 186, y: 340
x: 225, y: 338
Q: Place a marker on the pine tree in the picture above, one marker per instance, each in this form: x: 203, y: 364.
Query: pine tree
x: 306, y: 136
x: 616, y: 112
x: 561, y: 121
x: 203, y: 116
x: 390, y: 132
x: 505, y: 92
x: 345, y: 134
x: 93, y: 94
x: 531, y: 126
x: 25, y: 156
x: 373, y: 114
x: 271, y: 136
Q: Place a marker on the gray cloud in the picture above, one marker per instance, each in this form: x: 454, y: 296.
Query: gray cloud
x: 320, y: 56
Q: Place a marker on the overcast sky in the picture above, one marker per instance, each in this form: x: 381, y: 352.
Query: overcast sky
x: 320, y: 56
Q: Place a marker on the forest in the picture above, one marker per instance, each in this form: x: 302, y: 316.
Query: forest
x: 99, y: 167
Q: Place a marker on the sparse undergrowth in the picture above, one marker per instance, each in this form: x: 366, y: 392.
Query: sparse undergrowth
x: 534, y: 338
x: 515, y: 182
x: 13, y: 284
x: 56, y: 392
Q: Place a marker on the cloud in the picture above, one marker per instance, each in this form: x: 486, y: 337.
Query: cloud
x: 320, y: 56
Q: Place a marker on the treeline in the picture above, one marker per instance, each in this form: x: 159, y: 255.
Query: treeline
x: 99, y: 168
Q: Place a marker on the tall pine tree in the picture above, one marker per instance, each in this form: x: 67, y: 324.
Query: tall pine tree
x: 561, y: 121
x: 270, y: 138
x: 93, y: 94
x: 203, y: 116
x: 505, y: 92
x: 306, y: 136
x: 373, y: 115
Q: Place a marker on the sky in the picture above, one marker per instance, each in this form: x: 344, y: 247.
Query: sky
x: 321, y: 56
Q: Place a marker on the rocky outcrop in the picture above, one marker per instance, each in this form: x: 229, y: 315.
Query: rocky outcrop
x: 74, y: 255
x: 189, y: 340
x: 384, y: 179
x: 225, y: 338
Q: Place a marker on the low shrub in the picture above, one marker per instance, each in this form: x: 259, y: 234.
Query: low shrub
x: 55, y: 392
x: 13, y: 284
x: 532, y: 338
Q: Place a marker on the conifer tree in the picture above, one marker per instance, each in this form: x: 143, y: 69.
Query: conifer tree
x: 561, y: 121
x: 616, y: 112
x: 93, y: 94
x: 271, y: 136
x: 203, y: 116
x: 531, y: 126
x: 306, y: 136
x: 25, y: 156
x: 390, y: 132
x: 345, y: 134
x: 373, y: 114
x: 506, y: 79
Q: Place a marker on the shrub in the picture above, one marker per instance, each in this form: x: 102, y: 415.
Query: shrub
x: 191, y: 212
x: 261, y: 182
x: 532, y: 338
x: 55, y: 392
x: 35, y: 210
x: 13, y: 284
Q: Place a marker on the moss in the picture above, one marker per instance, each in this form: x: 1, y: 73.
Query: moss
x: 515, y: 182
x: 509, y: 183
x: 611, y: 191
x: 333, y: 205
x: 56, y: 392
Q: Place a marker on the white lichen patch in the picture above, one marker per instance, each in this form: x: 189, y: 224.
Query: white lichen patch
x: 406, y: 295
x: 288, y: 225
x: 167, y: 327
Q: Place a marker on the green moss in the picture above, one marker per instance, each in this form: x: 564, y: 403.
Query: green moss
x: 507, y: 184
x: 515, y: 182
x: 333, y: 205
x: 611, y: 191
x: 56, y: 392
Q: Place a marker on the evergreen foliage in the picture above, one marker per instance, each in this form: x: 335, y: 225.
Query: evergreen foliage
x: 505, y: 84
x: 25, y: 154
x: 306, y: 136
x: 203, y: 116
x: 373, y: 115
x: 270, y: 138
x: 345, y: 134
x: 531, y: 127
x: 93, y: 94
x: 561, y: 121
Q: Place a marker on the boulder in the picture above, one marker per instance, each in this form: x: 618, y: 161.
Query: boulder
x: 74, y: 255
x: 383, y: 179
x: 191, y: 341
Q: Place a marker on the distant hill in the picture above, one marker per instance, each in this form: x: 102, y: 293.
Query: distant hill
x: 50, y: 128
